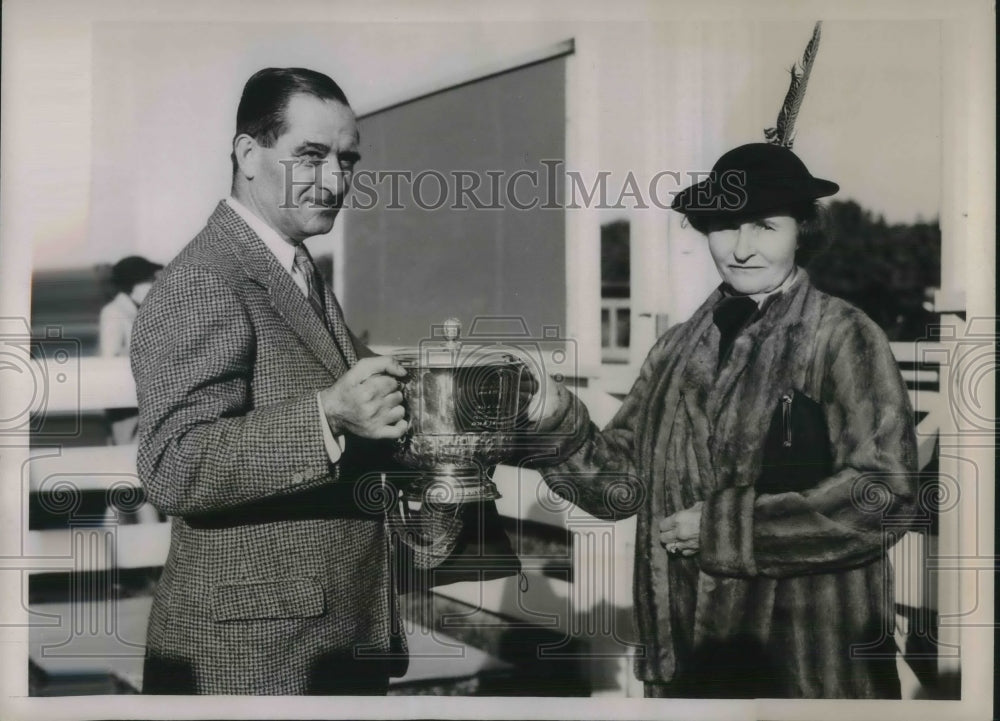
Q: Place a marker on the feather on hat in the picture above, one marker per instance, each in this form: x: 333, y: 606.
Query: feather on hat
x: 758, y: 178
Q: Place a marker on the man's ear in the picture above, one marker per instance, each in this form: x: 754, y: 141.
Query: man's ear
x: 245, y: 150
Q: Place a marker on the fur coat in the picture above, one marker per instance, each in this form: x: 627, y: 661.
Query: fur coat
x: 791, y: 592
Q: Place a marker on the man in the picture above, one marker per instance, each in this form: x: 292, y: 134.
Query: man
x: 256, y: 421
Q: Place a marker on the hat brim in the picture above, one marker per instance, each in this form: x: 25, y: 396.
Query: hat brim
x: 711, y: 198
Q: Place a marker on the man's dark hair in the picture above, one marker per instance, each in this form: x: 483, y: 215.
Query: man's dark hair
x: 261, y: 113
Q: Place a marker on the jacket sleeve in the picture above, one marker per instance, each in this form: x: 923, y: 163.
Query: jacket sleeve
x: 596, y: 469
x: 203, y: 446
x: 842, y: 521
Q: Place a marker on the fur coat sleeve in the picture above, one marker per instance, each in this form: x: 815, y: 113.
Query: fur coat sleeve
x: 840, y: 522
x: 597, y: 470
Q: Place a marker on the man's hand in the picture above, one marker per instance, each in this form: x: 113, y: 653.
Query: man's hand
x: 367, y: 401
x: 679, y: 532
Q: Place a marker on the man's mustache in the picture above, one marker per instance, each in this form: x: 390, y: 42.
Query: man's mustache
x: 326, y: 201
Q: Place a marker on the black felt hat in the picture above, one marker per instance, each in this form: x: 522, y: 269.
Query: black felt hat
x: 750, y: 180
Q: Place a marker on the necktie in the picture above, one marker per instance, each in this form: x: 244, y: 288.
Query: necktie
x: 730, y: 315
x: 304, y: 264
x: 314, y: 287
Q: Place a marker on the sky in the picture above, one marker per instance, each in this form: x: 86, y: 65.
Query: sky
x: 873, y: 113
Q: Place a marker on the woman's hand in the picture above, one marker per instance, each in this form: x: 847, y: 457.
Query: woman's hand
x: 547, y: 404
x: 679, y: 532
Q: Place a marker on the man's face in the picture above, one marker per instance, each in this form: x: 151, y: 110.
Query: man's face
x: 300, y: 183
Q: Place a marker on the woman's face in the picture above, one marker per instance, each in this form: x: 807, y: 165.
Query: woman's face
x: 754, y: 255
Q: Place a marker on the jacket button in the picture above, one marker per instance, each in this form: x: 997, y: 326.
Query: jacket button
x: 298, y: 477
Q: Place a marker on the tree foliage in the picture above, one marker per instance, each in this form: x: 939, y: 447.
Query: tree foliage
x: 889, y: 270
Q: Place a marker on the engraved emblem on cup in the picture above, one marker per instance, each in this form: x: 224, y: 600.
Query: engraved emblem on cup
x: 462, y: 403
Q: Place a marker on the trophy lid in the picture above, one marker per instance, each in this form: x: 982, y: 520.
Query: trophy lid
x: 448, y: 351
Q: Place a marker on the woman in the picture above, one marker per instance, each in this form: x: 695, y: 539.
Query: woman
x: 132, y: 277
x: 765, y: 446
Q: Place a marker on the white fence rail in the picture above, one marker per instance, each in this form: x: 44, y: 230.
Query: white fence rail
x: 93, y: 384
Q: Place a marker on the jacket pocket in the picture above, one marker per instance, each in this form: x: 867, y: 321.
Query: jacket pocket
x: 283, y: 598
x: 797, y: 451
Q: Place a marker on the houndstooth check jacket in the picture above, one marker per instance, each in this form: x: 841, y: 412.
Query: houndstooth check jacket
x: 276, y: 572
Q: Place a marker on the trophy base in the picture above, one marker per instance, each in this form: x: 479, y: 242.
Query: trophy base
x: 453, y: 485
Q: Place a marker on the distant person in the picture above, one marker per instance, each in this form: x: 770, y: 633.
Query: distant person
x: 132, y: 277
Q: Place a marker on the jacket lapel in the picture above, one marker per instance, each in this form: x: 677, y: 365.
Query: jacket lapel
x: 263, y: 268
x: 763, y: 330
x: 775, y: 365
x: 335, y: 320
x: 665, y: 400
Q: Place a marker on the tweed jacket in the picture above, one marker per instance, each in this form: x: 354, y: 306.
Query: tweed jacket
x: 276, y: 569
x: 797, y: 583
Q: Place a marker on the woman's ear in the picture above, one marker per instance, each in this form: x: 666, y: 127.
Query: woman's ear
x: 247, y: 157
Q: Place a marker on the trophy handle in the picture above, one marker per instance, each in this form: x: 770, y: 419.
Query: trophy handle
x: 521, y: 404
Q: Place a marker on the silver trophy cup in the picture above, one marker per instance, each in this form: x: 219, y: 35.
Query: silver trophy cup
x: 463, y: 404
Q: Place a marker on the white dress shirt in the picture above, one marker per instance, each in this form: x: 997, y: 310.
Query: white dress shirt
x: 284, y: 252
x: 785, y: 285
